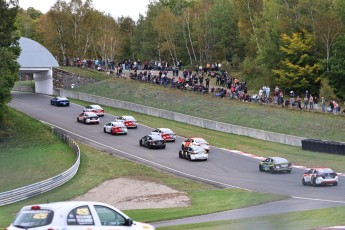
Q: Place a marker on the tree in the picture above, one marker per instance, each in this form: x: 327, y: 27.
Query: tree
x: 336, y: 74
x: 299, y: 70
x: 9, y: 51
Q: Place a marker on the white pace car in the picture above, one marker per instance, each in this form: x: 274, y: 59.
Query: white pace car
x: 74, y: 215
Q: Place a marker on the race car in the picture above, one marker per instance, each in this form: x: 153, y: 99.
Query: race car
x: 196, y: 141
x: 152, y: 141
x: 129, y: 121
x: 193, y: 153
x: 320, y: 176
x: 165, y: 133
x: 115, y: 127
x: 88, y: 118
x: 95, y: 109
x: 59, y: 101
x: 275, y: 165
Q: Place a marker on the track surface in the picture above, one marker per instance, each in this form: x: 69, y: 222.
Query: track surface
x: 223, y: 168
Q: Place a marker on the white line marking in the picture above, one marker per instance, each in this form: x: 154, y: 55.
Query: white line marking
x: 306, y: 198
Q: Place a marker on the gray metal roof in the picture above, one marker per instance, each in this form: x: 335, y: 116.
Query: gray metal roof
x: 34, y: 55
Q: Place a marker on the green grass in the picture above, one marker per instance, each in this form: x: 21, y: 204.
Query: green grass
x: 235, y: 142
x: 272, y: 118
x: 306, y: 220
x: 85, y: 72
x: 97, y: 167
x: 25, y: 148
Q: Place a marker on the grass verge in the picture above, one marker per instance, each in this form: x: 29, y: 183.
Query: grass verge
x: 29, y: 152
x: 306, y: 220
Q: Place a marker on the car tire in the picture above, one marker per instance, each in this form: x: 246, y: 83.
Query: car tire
x: 335, y: 184
x: 149, y: 146
x: 260, y: 168
x: 189, y: 158
x: 104, y: 130
x: 303, y: 182
x: 78, y: 119
x: 140, y: 143
x: 180, y: 154
x: 289, y: 171
x: 163, y: 147
x: 182, y: 147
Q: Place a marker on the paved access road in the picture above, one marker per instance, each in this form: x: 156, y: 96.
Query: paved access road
x: 223, y: 168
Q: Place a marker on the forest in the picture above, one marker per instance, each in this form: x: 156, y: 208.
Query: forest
x: 298, y: 45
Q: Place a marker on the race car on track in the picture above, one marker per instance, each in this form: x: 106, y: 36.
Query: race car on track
x: 193, y: 153
x: 196, y: 141
x: 74, y: 215
x: 88, y: 118
x: 95, y: 109
x: 59, y: 101
x: 320, y: 176
x: 165, y: 133
x: 115, y: 127
x: 152, y: 141
x: 275, y: 165
x: 129, y: 121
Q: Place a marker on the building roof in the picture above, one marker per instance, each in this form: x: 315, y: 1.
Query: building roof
x: 34, y: 55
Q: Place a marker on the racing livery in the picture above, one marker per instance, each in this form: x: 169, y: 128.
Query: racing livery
x: 95, y: 109
x: 320, y: 176
x: 152, y: 141
x: 196, y: 141
x: 275, y: 165
x: 165, y: 133
x: 129, y: 121
x: 59, y: 101
x: 193, y: 153
x: 115, y: 128
x: 88, y: 118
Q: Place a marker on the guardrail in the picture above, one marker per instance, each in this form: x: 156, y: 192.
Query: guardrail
x: 29, y: 191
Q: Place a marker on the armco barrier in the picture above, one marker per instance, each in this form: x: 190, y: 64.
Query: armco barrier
x: 46, y: 185
x: 205, y: 123
x: 323, y: 146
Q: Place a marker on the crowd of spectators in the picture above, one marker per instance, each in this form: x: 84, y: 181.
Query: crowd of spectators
x: 224, y: 86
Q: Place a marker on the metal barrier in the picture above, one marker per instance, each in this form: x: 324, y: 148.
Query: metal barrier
x: 38, y: 188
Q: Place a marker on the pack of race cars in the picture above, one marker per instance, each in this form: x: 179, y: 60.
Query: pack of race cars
x: 194, y: 148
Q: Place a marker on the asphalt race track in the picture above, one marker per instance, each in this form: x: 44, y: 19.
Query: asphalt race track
x: 223, y: 168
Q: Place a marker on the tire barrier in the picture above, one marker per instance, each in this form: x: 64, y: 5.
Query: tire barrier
x: 324, y: 146
x: 38, y: 188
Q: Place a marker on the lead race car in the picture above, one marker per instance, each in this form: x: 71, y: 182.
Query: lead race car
x: 275, y: 165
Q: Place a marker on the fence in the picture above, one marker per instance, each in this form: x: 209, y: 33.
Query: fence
x: 29, y: 191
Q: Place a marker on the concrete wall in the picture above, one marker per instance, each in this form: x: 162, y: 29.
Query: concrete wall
x: 204, y: 123
x: 44, y: 82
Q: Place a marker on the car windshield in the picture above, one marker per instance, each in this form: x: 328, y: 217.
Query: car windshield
x: 91, y: 115
x: 156, y: 137
x: 129, y: 118
x: 119, y: 124
x: 95, y: 107
x: 199, y: 140
x: 280, y: 160
x: 62, y: 98
x: 326, y: 171
x: 198, y: 149
x: 165, y: 130
x: 33, y: 218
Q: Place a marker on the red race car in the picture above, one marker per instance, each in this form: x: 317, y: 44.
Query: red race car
x: 166, y: 134
x: 129, y: 121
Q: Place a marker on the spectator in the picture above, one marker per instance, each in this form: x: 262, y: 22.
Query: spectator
x: 316, y: 103
x: 305, y: 100
x: 311, y: 102
x: 323, y: 104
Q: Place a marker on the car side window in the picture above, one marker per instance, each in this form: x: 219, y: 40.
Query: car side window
x: 80, y: 216
x: 109, y: 217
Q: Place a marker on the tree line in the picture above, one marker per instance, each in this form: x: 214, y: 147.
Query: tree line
x: 296, y: 44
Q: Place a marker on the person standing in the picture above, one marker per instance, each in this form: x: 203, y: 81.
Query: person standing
x: 323, y: 104
x: 316, y: 103
x: 311, y: 102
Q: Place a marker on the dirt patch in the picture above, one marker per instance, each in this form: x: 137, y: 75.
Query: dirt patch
x: 126, y: 194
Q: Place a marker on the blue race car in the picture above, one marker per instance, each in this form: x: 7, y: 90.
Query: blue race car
x: 59, y: 101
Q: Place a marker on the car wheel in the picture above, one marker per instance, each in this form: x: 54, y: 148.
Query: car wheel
x: 335, y: 184
x: 289, y: 171
x: 125, y: 134
x: 271, y: 170
x: 163, y: 147
x: 112, y: 132
x: 104, y: 130
x: 180, y: 154
x: 149, y: 146
x: 85, y: 121
x: 78, y: 119
x: 182, y: 147
x: 51, y: 103
x: 303, y: 182
x: 141, y: 143
x: 260, y: 168
x: 189, y: 158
